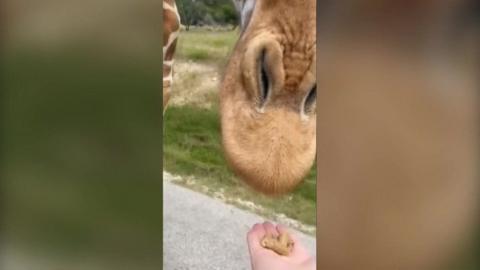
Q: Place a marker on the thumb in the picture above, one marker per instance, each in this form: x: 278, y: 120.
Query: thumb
x: 254, y: 237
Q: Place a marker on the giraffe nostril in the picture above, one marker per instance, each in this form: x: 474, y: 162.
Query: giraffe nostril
x: 310, y: 100
x: 264, y: 80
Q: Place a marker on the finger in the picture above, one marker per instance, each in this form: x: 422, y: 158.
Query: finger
x: 283, y: 229
x: 254, y: 237
x: 297, y: 246
x: 270, y: 229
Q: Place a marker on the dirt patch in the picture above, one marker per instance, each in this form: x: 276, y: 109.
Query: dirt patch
x: 195, y: 84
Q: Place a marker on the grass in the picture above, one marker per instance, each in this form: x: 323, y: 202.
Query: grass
x: 205, y: 46
x: 196, y: 54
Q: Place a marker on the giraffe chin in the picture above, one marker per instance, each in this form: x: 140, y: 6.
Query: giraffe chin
x: 272, y: 151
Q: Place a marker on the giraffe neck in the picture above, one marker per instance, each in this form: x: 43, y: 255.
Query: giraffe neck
x: 171, y: 25
x: 171, y: 29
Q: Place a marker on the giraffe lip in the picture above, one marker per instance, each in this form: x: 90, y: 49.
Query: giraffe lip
x: 271, y: 152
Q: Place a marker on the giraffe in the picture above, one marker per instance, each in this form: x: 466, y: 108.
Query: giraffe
x: 171, y: 29
x: 268, y: 95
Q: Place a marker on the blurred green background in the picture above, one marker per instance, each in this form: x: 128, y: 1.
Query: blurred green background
x: 82, y: 135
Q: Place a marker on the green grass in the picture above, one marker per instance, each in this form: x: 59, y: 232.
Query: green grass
x: 196, y: 54
x: 205, y: 46
x: 192, y: 147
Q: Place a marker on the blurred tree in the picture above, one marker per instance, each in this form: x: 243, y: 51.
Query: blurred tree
x: 207, y: 12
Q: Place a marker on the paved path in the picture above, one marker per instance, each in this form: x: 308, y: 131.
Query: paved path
x: 206, y: 234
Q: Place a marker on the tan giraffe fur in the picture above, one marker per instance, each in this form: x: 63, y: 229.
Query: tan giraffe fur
x: 271, y: 143
x: 171, y: 29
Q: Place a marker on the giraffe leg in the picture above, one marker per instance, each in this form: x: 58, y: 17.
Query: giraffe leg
x: 166, y: 94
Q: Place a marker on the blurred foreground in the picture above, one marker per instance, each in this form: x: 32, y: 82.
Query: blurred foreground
x: 82, y: 142
x: 398, y: 130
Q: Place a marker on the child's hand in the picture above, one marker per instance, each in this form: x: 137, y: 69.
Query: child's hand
x: 265, y: 259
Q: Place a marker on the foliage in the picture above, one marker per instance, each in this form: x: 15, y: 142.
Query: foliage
x: 207, y: 12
